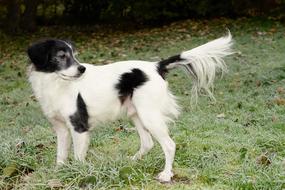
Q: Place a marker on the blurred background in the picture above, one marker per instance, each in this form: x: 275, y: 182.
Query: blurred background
x: 237, y: 142
x: 26, y: 15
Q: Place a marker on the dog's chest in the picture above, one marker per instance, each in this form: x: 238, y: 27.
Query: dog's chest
x: 53, y: 104
x: 56, y: 99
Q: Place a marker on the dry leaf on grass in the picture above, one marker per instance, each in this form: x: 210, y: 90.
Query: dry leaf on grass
x: 10, y: 170
x: 221, y: 115
x: 263, y: 160
x: 54, y: 183
x: 280, y: 90
x: 279, y: 101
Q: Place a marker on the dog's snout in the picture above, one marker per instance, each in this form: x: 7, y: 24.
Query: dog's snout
x: 81, y: 69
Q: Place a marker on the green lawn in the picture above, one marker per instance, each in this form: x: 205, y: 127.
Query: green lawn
x: 237, y: 142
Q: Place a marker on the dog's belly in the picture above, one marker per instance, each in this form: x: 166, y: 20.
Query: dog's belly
x: 105, y: 115
x: 110, y: 112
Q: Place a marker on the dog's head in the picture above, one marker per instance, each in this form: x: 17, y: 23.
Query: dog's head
x: 56, y: 56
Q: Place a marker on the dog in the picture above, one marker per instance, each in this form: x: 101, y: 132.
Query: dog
x: 75, y: 97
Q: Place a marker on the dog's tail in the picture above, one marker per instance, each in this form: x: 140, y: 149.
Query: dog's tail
x: 201, y: 63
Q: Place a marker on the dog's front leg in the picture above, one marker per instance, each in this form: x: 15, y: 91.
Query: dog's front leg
x: 80, y: 144
x: 63, y: 140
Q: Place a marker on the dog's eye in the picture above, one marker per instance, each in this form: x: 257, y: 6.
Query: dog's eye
x: 62, y: 56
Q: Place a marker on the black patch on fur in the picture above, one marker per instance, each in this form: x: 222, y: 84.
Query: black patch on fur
x: 162, y: 65
x: 129, y: 81
x: 79, y: 119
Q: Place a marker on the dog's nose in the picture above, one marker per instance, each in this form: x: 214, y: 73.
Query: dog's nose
x: 81, y: 69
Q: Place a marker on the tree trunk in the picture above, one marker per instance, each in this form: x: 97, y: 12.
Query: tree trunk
x: 29, y: 16
x: 13, y: 16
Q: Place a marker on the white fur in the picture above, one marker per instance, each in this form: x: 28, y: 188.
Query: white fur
x: 70, y: 73
x: 205, y: 60
x: 151, y: 106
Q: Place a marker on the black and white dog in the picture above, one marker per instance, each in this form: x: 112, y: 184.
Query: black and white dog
x: 76, y: 97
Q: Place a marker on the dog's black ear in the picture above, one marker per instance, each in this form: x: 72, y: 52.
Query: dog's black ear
x: 39, y: 53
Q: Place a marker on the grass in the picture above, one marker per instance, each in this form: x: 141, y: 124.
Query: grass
x: 244, y: 148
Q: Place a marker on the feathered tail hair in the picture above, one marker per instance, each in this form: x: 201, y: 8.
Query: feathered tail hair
x: 201, y: 63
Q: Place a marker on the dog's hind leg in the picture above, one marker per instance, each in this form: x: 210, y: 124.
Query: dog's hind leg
x: 155, y: 123
x: 63, y: 140
x: 145, y: 138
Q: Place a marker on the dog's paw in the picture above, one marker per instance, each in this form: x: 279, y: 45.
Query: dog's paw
x: 59, y: 163
x: 164, y: 176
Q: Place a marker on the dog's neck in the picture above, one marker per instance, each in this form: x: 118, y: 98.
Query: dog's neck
x: 44, y: 80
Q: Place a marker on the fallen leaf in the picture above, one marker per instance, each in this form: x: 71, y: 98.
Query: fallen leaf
x: 274, y: 118
x: 221, y: 115
x: 181, y: 176
x: 10, y: 170
x: 33, y: 98
x: 40, y: 146
x: 183, y: 179
x: 258, y: 83
x: 116, y: 140
x: 26, y: 129
x: 20, y: 144
x: 27, y: 177
x: 120, y: 128
x: 280, y: 90
x: 279, y: 101
x: 273, y: 30
x: 263, y: 160
x: 54, y: 183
